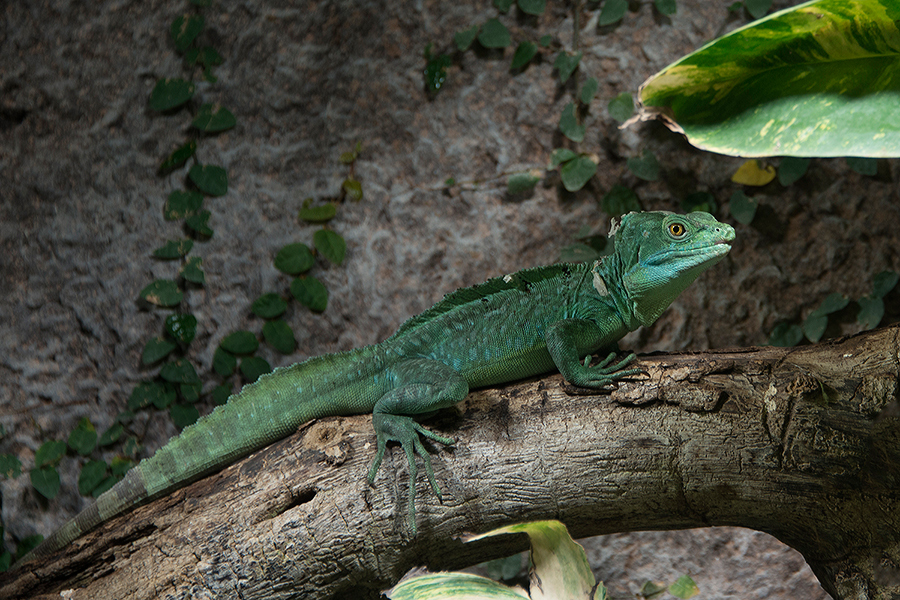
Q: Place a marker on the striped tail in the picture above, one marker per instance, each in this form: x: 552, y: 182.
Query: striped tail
x: 263, y: 412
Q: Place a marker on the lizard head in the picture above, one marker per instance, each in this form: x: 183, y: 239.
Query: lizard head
x: 661, y: 253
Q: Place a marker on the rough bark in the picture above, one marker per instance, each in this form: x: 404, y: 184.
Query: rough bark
x: 802, y: 443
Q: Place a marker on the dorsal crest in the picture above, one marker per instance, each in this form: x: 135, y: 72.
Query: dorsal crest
x: 520, y: 280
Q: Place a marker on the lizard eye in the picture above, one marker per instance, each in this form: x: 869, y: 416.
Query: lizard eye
x: 677, y: 230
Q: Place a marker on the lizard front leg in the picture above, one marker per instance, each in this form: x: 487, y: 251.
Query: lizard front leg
x: 569, y: 339
x: 421, y: 387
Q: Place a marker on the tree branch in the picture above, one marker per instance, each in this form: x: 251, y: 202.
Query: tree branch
x: 802, y: 443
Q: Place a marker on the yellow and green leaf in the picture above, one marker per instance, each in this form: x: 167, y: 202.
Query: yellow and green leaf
x: 820, y: 79
x: 559, y: 570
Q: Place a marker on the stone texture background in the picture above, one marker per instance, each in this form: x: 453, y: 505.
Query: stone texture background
x: 81, y: 210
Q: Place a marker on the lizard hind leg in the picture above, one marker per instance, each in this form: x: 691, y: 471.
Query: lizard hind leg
x: 421, y: 387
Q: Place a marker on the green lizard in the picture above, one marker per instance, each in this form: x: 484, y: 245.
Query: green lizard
x: 505, y: 329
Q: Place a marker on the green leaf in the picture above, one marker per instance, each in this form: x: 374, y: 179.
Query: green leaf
x: 814, y: 326
x: 181, y: 204
x: 494, y: 34
x: 310, y: 292
x: 240, y: 342
x: 620, y: 200
x: 83, y: 438
x: 545, y: 41
x: 280, y: 336
x: 178, y: 157
x: 149, y: 392
x: 521, y: 183
x: 532, y: 7
x: 353, y: 189
x: 103, y: 486
x: 199, y: 223
x: 589, y: 90
x: 162, y: 292
x: 819, y: 79
x: 49, y: 453
x: 864, y: 166
x: 294, y: 259
x: 185, y: 30
x: 503, y: 568
x: 786, y: 334
x: 883, y: 283
x: 758, y: 8
x: 791, y: 169
x: 192, y: 271
x: 10, y: 466
x: 212, y: 118
x: 132, y: 447
x: 111, y: 435
x: 92, y: 474
x: 525, y: 51
x: 165, y: 400
x: 190, y: 393
x: 559, y: 562
x: 652, y: 590
x: 742, y: 207
x: 612, y: 11
x: 645, y: 166
x: 179, y: 371
x: 46, y: 481
x: 871, y: 311
x: 699, y: 202
x: 463, y: 39
x: 559, y: 156
x: 577, y: 172
x: 566, y: 64
x: 174, y: 249
x: 208, y: 57
x: 224, y: 363
x: 157, y: 349
x: 269, y: 306
x: 182, y: 327
x: 318, y: 214
x: 220, y: 394
x: 210, y: 179
x: 28, y: 544
x: 569, y: 125
x: 120, y: 465
x: 330, y: 245
x: 833, y: 302
x: 684, y: 588
x: 503, y: 5
x: 435, y: 72
x: 253, y: 367
x: 184, y: 415
x: 452, y: 586
x: 666, y: 7
x: 621, y: 107
x: 169, y: 94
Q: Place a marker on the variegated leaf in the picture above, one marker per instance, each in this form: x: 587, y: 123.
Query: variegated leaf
x: 820, y: 79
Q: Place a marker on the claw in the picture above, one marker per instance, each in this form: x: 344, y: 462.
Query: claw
x: 405, y: 430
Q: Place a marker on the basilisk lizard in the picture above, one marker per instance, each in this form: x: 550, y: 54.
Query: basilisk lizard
x: 507, y: 328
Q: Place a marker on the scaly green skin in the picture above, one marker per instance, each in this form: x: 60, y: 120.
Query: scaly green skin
x: 505, y: 329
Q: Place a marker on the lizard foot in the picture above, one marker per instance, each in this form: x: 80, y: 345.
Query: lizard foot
x: 406, y: 430
x: 603, y: 375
